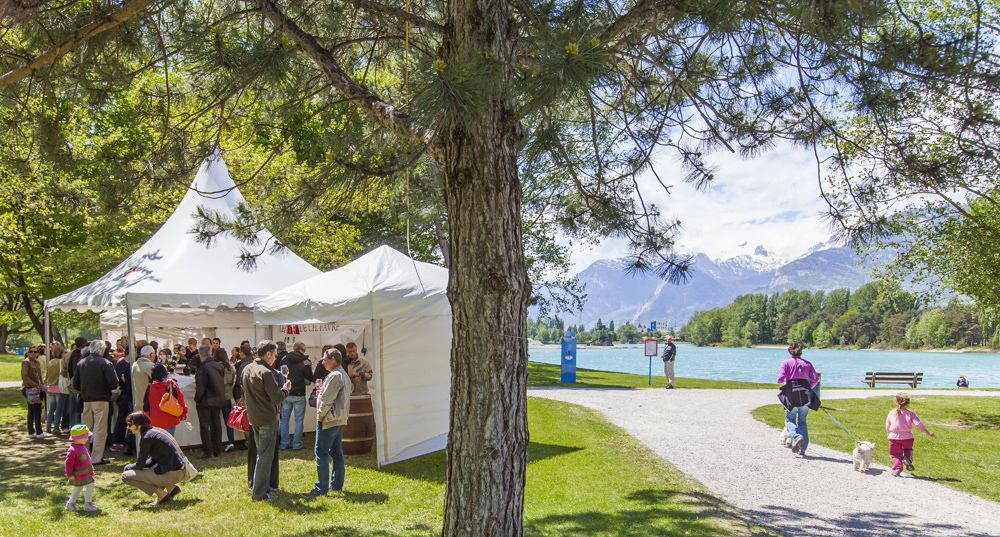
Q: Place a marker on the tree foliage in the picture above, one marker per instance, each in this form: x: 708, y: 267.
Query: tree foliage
x: 479, y: 103
x: 886, y: 317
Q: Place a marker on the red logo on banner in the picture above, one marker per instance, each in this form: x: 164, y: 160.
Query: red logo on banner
x: 288, y: 329
x: 296, y: 330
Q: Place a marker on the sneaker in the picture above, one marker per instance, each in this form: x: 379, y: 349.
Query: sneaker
x: 43, y: 435
x: 283, y: 447
x: 101, y: 462
x: 803, y: 453
x: 58, y: 432
x: 70, y: 506
x: 173, y: 493
x: 795, y: 446
x: 314, y: 493
x: 908, y: 464
x: 90, y: 507
x: 895, y: 473
x: 670, y: 387
x: 273, y: 491
x: 117, y: 447
x: 229, y: 447
x: 266, y: 498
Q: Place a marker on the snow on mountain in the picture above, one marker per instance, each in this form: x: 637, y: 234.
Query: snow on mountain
x: 613, y: 295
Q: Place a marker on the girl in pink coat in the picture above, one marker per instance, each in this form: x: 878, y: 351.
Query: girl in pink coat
x: 899, y: 424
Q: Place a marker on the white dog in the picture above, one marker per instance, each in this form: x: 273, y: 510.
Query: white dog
x: 786, y: 438
x: 863, y: 455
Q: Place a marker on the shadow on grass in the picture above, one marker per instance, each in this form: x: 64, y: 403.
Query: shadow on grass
x: 663, y: 512
x: 346, y: 531
x: 979, y: 421
x: 537, y: 451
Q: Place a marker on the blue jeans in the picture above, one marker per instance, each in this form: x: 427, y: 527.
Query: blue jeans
x: 265, y: 437
x: 795, y: 420
x: 57, y: 402
x: 298, y: 402
x: 329, y: 446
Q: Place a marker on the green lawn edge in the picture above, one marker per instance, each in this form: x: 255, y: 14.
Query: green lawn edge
x: 584, y: 477
x: 962, y: 455
x: 541, y: 375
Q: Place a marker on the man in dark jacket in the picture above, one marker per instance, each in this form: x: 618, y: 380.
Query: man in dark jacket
x: 299, y: 372
x: 280, y: 356
x: 210, y: 395
x: 123, y: 374
x: 263, y: 397
x: 74, y: 403
x: 246, y: 358
x: 95, y: 380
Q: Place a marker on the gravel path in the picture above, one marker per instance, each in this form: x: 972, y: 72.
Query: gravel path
x: 711, y: 436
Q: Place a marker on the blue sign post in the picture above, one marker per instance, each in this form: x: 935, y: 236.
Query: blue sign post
x: 568, y: 358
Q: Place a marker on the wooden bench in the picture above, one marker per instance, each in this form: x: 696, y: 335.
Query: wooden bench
x: 885, y: 377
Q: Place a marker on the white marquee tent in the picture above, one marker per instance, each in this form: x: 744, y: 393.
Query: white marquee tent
x: 406, y: 305
x: 174, y: 284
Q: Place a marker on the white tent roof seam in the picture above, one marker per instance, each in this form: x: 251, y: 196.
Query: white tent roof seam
x: 173, y: 270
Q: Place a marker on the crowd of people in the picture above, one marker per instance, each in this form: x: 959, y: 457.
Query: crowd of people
x: 96, y: 397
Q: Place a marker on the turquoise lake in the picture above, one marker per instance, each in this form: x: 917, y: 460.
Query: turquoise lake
x: 839, y: 368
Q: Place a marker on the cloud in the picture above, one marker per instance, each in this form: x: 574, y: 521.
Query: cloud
x: 772, y: 200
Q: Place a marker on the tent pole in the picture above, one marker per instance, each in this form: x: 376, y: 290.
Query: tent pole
x: 48, y: 335
x: 132, y: 355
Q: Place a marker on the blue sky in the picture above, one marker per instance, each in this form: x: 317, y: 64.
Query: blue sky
x: 772, y: 200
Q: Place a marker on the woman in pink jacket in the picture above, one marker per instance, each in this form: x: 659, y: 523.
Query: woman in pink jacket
x: 899, y: 424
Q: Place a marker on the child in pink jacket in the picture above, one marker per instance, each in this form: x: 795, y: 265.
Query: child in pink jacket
x: 79, y: 469
x: 899, y: 424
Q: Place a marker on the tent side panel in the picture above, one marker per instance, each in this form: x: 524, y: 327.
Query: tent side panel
x: 411, y: 398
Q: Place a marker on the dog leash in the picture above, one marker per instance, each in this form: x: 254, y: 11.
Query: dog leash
x: 838, y: 423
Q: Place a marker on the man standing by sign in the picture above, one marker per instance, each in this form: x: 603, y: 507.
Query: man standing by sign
x: 669, y: 352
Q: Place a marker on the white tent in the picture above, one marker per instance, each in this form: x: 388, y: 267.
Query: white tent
x: 179, y: 283
x: 405, y: 302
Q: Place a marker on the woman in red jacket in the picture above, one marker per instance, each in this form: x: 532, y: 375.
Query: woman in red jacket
x: 154, y: 393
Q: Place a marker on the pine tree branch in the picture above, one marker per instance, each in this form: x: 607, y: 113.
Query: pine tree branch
x: 415, y: 20
x: 644, y: 14
x: 383, y: 113
x: 75, y: 39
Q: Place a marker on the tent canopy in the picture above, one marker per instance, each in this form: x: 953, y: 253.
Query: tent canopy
x: 173, y: 270
x: 382, y: 284
x: 407, y: 305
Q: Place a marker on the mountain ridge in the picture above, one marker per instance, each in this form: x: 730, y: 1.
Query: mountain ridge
x: 613, y: 295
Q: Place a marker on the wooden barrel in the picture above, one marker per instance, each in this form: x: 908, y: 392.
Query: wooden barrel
x: 359, y: 434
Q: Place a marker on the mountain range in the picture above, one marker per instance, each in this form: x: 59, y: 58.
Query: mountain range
x: 613, y: 295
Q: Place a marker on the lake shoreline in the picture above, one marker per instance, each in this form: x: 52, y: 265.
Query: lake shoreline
x: 976, y: 350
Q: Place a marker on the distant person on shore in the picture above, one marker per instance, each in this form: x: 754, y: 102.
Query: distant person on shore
x: 798, y: 378
x: 899, y: 425
x: 962, y: 382
x: 669, y: 353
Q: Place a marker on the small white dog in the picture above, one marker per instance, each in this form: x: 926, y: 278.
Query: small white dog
x: 863, y: 455
x: 786, y: 438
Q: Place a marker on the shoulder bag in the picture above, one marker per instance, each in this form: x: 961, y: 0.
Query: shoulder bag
x: 238, y: 418
x: 190, y: 472
x: 169, y: 403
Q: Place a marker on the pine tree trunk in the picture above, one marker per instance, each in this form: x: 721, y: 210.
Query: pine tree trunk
x: 489, y: 290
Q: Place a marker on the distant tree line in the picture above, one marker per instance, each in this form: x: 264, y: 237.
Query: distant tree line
x: 551, y: 330
x: 877, y: 315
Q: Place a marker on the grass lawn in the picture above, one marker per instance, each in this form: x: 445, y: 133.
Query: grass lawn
x: 962, y: 454
x: 547, y: 375
x: 10, y: 367
x: 585, y: 477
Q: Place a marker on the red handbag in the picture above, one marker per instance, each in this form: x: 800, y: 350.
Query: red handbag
x: 238, y: 418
